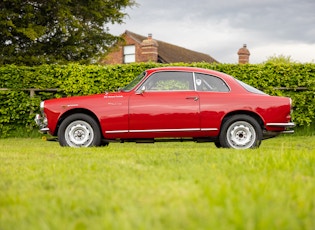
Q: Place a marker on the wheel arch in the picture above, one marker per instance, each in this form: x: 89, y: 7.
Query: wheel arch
x: 244, y: 112
x: 74, y: 111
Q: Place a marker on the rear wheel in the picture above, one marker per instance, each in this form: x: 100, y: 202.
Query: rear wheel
x: 79, y: 130
x: 240, y: 132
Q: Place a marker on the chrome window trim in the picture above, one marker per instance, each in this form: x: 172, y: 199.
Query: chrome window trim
x: 163, y: 71
x: 223, y: 80
x: 194, y: 79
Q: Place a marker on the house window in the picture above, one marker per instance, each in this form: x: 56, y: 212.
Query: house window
x: 129, y: 54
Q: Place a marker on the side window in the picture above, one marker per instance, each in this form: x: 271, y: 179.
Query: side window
x: 170, y: 81
x: 206, y: 82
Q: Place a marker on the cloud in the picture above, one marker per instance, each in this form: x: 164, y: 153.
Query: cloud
x: 220, y: 28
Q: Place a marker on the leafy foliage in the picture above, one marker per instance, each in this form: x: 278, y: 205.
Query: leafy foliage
x: 50, y: 31
x: 17, y: 108
x: 171, y: 85
x: 280, y: 59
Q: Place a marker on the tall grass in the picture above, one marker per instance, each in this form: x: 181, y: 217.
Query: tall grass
x: 157, y: 186
x: 307, y: 130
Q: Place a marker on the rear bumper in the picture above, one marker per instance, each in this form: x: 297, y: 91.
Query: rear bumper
x: 287, y: 127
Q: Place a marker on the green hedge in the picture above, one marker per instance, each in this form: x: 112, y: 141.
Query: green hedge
x: 17, y: 108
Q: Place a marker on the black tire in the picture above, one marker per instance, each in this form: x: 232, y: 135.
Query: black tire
x: 217, y: 144
x: 104, y: 143
x: 240, y: 132
x: 79, y: 130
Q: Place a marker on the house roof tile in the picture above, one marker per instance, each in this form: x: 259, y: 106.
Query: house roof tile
x: 169, y: 53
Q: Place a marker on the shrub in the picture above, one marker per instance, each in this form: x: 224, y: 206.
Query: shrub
x: 18, y: 108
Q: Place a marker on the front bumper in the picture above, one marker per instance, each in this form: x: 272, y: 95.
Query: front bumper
x: 41, y: 122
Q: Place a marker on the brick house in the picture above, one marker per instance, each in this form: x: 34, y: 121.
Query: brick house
x: 138, y: 48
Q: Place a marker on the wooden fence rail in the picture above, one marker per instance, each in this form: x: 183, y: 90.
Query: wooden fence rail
x: 32, y: 90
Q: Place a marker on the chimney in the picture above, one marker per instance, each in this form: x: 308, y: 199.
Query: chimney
x: 243, y: 55
x: 149, y: 49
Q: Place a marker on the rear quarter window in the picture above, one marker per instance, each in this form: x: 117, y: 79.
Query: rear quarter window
x: 205, y: 82
x: 250, y: 88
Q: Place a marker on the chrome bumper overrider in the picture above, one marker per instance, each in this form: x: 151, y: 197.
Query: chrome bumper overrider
x: 41, y: 121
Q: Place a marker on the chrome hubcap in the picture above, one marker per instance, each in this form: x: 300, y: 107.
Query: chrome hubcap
x: 79, y: 134
x: 241, y: 135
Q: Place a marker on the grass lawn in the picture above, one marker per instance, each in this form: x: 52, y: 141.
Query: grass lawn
x: 157, y: 186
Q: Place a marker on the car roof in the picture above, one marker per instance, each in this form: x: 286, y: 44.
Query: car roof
x: 190, y: 69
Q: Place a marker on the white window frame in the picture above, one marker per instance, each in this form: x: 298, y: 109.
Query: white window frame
x: 129, y: 54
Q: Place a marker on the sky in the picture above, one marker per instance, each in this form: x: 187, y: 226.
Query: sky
x: 220, y: 28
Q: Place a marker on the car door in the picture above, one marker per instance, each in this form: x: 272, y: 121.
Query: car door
x: 167, y: 105
x: 215, y: 98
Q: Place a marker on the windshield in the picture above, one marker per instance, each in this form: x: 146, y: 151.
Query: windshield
x: 134, y: 82
x: 250, y: 88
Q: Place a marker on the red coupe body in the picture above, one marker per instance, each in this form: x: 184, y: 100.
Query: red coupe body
x: 170, y: 102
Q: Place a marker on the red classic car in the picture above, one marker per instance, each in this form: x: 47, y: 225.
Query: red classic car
x: 170, y: 103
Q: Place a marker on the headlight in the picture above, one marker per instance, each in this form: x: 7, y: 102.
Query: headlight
x: 42, y: 105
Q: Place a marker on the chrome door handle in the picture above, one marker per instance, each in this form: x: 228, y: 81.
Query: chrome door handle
x: 194, y: 98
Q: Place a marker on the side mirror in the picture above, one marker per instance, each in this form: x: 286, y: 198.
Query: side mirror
x: 141, y: 90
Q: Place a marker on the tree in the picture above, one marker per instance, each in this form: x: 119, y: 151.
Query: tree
x: 34, y: 32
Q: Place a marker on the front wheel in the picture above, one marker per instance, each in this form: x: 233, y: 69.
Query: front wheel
x: 79, y: 130
x: 240, y: 132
